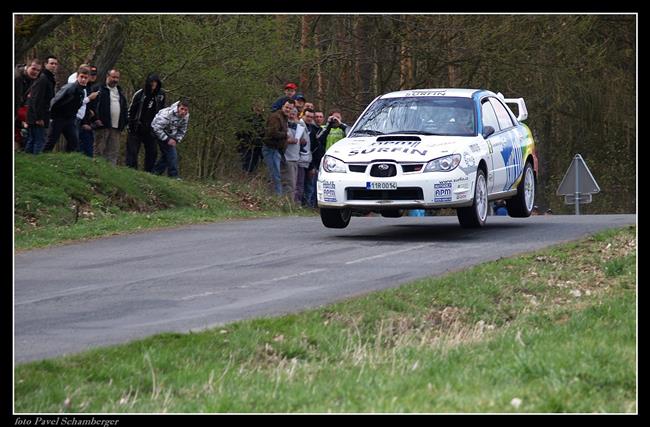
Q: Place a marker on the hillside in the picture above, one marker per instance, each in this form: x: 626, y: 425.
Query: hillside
x: 62, y: 197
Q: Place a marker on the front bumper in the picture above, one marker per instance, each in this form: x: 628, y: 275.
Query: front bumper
x: 429, y: 190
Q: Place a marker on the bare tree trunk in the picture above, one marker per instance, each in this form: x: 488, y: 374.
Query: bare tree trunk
x: 319, y: 73
x: 109, y: 48
x: 304, y: 44
x: 30, y: 29
x: 406, y: 60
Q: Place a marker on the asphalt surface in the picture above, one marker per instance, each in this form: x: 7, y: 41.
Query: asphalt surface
x: 75, y: 297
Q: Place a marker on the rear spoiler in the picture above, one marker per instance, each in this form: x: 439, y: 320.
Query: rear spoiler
x: 521, y: 106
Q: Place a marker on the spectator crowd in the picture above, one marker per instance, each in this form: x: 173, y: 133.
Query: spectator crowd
x: 91, y: 112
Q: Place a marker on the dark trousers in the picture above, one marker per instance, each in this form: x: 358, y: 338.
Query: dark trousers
x: 250, y: 156
x: 68, y: 128
x: 168, y: 160
x: 86, y: 141
x: 133, y: 142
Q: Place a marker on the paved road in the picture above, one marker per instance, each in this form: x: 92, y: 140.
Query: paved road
x: 113, y: 290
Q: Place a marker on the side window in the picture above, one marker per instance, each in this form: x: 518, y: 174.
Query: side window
x: 502, y: 115
x: 488, y: 116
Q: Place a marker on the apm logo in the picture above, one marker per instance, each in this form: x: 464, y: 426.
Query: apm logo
x: 443, y: 192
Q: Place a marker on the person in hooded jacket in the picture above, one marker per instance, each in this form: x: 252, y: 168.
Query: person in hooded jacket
x: 145, y: 105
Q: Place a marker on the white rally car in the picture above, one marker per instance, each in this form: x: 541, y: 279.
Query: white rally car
x: 431, y: 149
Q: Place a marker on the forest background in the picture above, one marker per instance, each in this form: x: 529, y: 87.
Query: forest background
x: 577, y: 74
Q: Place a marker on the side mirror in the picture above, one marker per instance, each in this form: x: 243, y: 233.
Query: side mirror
x: 487, y: 131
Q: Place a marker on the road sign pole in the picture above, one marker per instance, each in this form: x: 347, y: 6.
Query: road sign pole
x: 577, y: 202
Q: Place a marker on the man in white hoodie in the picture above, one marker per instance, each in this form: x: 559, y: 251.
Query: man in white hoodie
x: 169, y: 127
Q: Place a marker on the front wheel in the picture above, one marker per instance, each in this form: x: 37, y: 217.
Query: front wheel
x: 474, y: 216
x: 335, y: 218
x: 522, y: 204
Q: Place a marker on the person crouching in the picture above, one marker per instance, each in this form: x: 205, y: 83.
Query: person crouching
x: 169, y: 127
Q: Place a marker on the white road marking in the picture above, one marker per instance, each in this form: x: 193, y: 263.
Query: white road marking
x: 391, y: 253
x: 260, y: 282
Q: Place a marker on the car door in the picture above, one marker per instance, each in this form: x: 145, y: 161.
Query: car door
x: 510, y: 150
x: 497, y: 173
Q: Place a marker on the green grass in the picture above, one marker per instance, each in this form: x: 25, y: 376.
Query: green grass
x: 553, y: 330
x: 66, y: 197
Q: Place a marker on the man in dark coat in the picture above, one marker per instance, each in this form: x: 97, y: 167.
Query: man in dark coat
x: 24, y: 76
x: 38, y: 106
x: 275, y: 141
x: 63, y: 111
x: 145, y: 105
x: 110, y: 117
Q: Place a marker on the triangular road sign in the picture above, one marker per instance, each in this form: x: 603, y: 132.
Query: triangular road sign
x: 578, y: 179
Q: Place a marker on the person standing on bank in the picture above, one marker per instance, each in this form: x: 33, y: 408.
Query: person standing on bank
x: 110, y: 118
x: 145, y: 105
x: 169, y: 127
x: 38, y: 106
x: 63, y: 112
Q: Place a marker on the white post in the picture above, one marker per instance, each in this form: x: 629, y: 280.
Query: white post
x: 577, y: 193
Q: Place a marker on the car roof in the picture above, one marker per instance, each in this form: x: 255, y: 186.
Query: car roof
x: 462, y: 93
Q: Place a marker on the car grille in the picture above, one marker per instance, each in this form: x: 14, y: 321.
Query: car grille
x: 383, y: 170
x: 358, y: 168
x: 412, y: 168
x: 404, y: 193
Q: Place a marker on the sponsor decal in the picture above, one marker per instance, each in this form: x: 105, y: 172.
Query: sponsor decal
x: 409, y: 143
x: 461, y: 178
x: 475, y: 148
x: 329, y: 184
x: 442, y: 184
x: 461, y: 196
x: 469, y: 159
x: 426, y: 93
x: 442, y: 199
x: 442, y: 192
x: 329, y: 195
x: 413, y: 151
x: 513, y: 159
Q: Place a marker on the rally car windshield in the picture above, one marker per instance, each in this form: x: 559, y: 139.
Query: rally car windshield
x: 419, y: 115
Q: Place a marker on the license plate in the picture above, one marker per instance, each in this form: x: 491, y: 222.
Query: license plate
x: 383, y: 185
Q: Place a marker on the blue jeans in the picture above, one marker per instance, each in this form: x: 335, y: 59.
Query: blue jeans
x: 168, y: 160
x: 86, y: 140
x: 272, y: 158
x: 35, y: 139
x: 309, y: 196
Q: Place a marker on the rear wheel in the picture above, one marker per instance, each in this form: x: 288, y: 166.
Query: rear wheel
x: 522, y: 204
x: 474, y: 216
x: 335, y: 218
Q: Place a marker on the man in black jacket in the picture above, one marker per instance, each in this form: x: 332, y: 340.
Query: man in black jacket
x: 24, y: 76
x: 38, y: 106
x: 63, y: 111
x: 145, y: 105
x: 110, y: 117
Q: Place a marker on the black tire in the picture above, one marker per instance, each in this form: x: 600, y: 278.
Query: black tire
x: 335, y: 218
x: 474, y: 216
x: 522, y: 204
x: 392, y: 213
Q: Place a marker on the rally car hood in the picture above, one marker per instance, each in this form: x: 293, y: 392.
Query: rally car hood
x: 399, y: 148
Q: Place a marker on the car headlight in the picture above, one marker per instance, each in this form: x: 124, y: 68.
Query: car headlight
x: 443, y: 164
x: 332, y: 164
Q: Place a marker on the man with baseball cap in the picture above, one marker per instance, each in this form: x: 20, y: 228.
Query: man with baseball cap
x: 289, y: 93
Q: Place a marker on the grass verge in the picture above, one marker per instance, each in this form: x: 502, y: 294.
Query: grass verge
x: 66, y: 197
x: 550, y: 331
